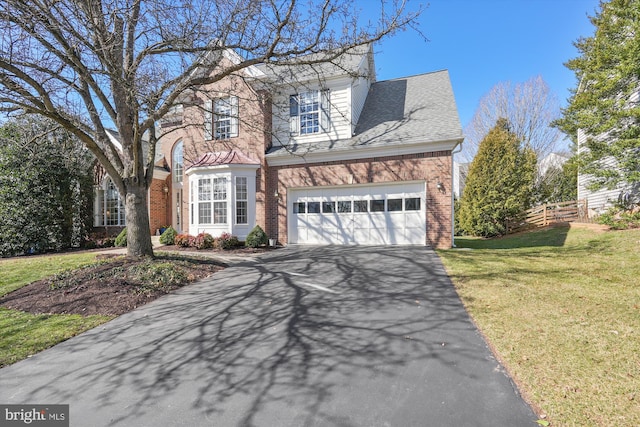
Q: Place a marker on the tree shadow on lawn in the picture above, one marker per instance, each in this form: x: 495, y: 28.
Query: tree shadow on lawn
x: 301, y: 336
x: 549, y: 236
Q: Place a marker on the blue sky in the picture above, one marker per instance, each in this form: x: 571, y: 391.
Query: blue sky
x: 485, y: 42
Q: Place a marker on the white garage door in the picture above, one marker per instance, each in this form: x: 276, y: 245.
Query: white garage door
x: 391, y: 214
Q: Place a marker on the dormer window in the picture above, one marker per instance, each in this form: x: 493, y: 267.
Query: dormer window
x: 221, y: 118
x: 309, y: 112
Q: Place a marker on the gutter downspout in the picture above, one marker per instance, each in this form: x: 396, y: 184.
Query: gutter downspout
x: 453, y: 221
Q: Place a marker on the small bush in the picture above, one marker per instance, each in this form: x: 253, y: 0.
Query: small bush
x: 227, y: 241
x: 203, y: 241
x: 99, y: 239
x: 184, y: 240
x: 157, y: 276
x: 256, y: 237
x: 121, y: 240
x: 620, y: 219
x: 169, y: 236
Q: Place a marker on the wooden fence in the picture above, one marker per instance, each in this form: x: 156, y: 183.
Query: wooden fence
x: 550, y: 213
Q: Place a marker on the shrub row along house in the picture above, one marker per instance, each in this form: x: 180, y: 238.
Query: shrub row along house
x: 320, y: 154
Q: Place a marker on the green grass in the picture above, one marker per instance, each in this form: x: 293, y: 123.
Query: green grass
x: 17, y: 272
x: 561, y: 308
x: 24, y: 334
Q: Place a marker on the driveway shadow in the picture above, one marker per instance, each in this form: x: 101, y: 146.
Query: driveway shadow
x: 343, y: 336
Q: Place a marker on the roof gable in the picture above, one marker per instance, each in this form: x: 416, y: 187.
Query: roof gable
x: 411, y: 111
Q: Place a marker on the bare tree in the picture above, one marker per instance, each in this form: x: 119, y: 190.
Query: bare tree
x: 530, y: 107
x: 94, y: 64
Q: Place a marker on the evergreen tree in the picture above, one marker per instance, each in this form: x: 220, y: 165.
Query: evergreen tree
x: 559, y: 184
x: 499, y: 185
x: 605, y: 104
x: 45, y: 188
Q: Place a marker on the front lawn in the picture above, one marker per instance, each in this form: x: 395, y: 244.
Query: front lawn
x: 81, y: 292
x: 17, y: 272
x: 561, y: 308
x: 24, y: 334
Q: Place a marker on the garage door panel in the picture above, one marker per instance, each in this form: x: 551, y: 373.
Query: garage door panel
x: 374, y: 215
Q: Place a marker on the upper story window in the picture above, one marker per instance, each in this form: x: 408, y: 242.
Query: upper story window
x: 221, y: 118
x: 178, y: 162
x: 309, y: 112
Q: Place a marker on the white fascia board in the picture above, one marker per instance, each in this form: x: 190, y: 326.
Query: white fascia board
x: 160, y: 174
x: 364, y: 153
x: 220, y: 168
x: 236, y: 59
x: 114, y: 140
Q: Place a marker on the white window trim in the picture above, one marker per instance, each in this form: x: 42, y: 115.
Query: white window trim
x: 324, y: 113
x: 211, y: 118
x: 230, y: 173
x: 102, y: 206
x: 238, y: 199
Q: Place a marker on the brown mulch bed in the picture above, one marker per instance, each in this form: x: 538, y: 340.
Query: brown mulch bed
x: 109, y: 288
x: 235, y: 251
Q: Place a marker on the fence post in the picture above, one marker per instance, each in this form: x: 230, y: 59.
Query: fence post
x: 544, y: 217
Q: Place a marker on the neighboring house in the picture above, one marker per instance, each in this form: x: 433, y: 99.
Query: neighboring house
x: 552, y: 161
x: 314, y: 156
x: 599, y: 201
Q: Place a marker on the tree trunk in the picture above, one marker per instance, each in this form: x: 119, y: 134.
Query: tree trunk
x: 137, y: 215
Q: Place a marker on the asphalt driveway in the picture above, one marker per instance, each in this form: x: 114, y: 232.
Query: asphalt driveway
x: 322, y: 336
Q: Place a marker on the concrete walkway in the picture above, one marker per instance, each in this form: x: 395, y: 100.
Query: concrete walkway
x: 331, y: 336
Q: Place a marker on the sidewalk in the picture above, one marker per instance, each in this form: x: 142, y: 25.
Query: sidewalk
x: 224, y: 257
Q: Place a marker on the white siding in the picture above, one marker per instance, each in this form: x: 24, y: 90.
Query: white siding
x: 601, y: 200
x: 359, y: 92
x: 339, y: 91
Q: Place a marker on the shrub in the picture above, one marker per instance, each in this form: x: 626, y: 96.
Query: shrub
x: 227, y: 241
x: 620, y: 219
x: 121, y: 240
x: 256, y: 237
x: 98, y: 239
x: 184, y: 240
x: 203, y: 241
x: 169, y: 236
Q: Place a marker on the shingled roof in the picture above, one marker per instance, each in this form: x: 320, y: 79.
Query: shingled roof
x: 221, y: 158
x: 409, y: 110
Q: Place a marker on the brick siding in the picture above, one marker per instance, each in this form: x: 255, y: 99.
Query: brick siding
x: 430, y: 167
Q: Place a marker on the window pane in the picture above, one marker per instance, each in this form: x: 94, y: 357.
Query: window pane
x: 360, y: 206
x: 224, y: 119
x: 113, y: 206
x: 241, y: 212
x: 178, y: 165
x: 298, y: 207
x: 204, y: 189
x: 309, y: 107
x: 412, y: 204
x: 241, y: 188
x: 313, y: 207
x: 219, y: 188
x: 328, y: 207
x: 394, y: 205
x: 344, y: 206
x: 204, y: 213
x: 219, y: 212
x: 377, y: 206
